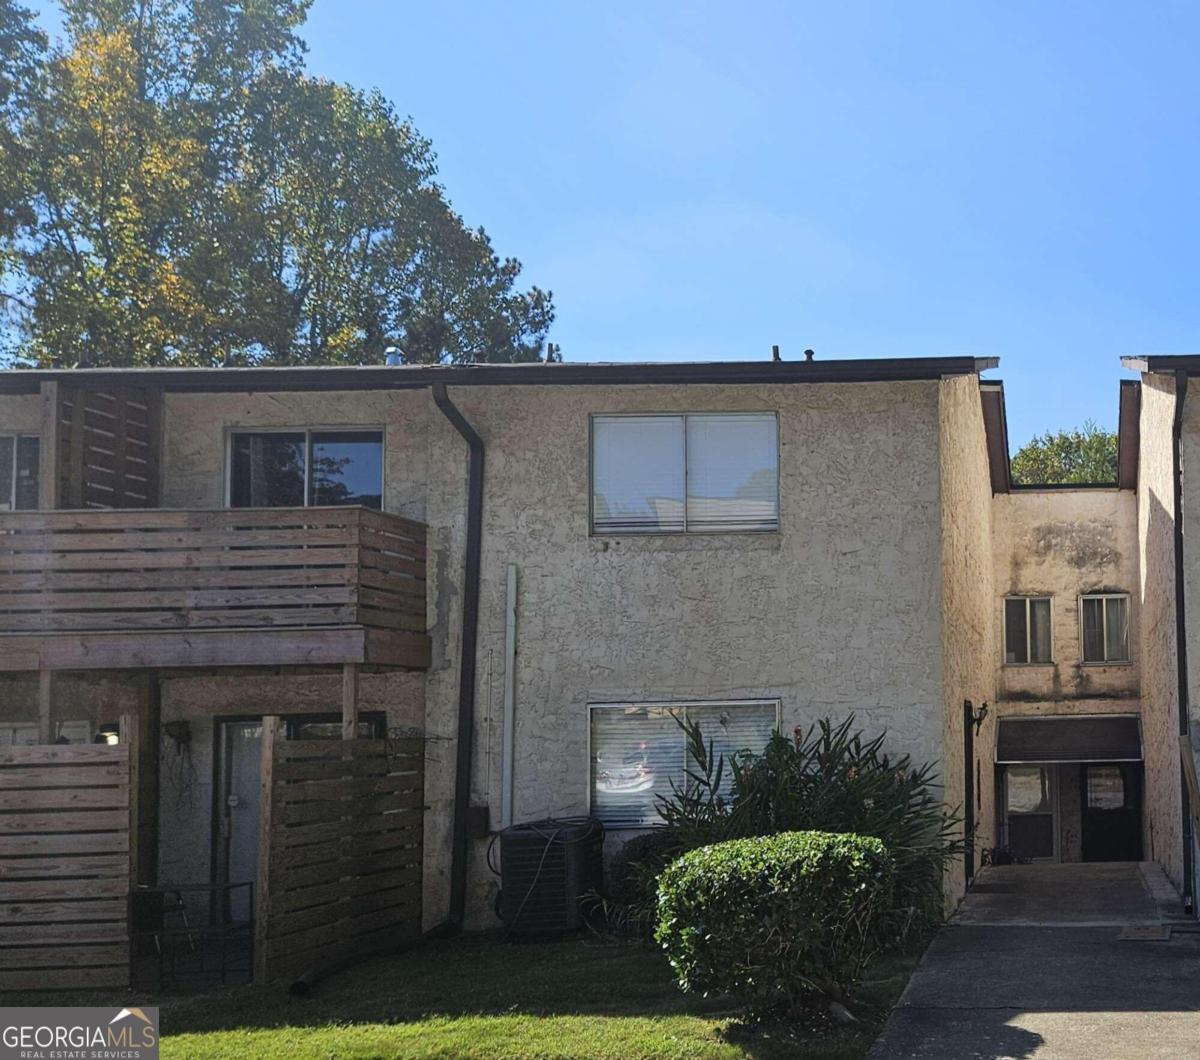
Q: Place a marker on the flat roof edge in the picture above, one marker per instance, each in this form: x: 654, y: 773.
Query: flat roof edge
x: 355, y: 377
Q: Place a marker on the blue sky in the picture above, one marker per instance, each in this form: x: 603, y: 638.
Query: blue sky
x: 699, y: 181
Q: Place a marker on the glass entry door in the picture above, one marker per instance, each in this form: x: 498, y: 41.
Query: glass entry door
x: 1029, y: 811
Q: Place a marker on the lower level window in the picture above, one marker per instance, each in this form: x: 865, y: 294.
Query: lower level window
x: 639, y: 749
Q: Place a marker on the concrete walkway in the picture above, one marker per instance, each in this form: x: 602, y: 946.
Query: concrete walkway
x: 1058, y: 962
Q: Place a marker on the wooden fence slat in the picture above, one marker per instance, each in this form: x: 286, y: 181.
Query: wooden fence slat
x: 64, y: 754
x: 84, y: 776
x: 66, y: 843
x: 63, y: 911
x: 14, y: 957
x: 63, y: 934
x: 64, y: 799
x: 83, y: 821
x: 306, y: 834
x: 65, y: 979
x: 43, y: 890
x: 84, y: 865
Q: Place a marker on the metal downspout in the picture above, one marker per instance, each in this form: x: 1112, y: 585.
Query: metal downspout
x: 467, y: 661
x: 1181, y: 385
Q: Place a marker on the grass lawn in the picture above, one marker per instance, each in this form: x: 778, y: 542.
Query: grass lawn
x: 479, y: 996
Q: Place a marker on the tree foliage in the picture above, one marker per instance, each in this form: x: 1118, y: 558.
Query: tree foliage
x: 180, y: 191
x: 1088, y: 454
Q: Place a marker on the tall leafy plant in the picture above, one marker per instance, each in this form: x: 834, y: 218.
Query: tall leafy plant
x: 831, y: 779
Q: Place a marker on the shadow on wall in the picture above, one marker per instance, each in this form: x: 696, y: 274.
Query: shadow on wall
x: 1160, y: 697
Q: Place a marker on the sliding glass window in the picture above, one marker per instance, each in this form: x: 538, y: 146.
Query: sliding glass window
x: 291, y: 469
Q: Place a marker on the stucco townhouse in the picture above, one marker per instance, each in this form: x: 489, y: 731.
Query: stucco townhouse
x: 527, y: 568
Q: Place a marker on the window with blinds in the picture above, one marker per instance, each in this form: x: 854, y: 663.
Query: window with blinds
x: 639, y: 749
x: 691, y: 473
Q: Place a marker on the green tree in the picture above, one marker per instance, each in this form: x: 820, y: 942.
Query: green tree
x: 1088, y: 454
x: 187, y: 194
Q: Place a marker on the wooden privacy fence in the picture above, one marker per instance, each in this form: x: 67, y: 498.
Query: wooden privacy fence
x: 165, y: 569
x: 67, y: 826
x: 339, y: 851
x: 108, y: 445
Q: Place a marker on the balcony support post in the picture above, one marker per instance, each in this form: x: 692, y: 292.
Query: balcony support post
x: 48, y: 444
x: 349, y: 701
x: 45, y: 706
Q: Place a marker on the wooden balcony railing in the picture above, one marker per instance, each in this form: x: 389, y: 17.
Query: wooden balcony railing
x: 144, y: 572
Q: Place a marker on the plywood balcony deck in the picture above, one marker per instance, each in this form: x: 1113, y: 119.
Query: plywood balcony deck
x: 153, y: 588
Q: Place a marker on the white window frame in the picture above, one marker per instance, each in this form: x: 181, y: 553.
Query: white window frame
x: 1055, y: 809
x: 1029, y: 661
x: 669, y: 704
x: 635, y: 414
x: 308, y: 432
x: 16, y: 436
x: 1104, y: 629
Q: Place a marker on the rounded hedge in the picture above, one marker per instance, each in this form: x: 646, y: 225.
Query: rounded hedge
x: 774, y: 917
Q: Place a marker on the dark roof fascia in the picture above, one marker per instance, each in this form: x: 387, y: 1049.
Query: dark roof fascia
x: 1168, y: 363
x: 384, y: 377
x: 1129, y: 433
x: 995, y: 427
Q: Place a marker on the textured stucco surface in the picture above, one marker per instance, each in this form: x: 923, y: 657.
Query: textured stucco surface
x: 20, y: 412
x: 1160, y: 691
x: 196, y: 429
x: 838, y: 611
x: 1064, y: 544
x: 969, y: 635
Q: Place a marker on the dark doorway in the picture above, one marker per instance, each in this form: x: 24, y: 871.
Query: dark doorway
x: 1111, y: 793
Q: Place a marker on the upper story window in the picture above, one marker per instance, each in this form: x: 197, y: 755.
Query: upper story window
x: 693, y: 473
x: 1104, y: 627
x: 639, y: 749
x: 1027, y: 630
x: 19, y: 472
x: 291, y: 469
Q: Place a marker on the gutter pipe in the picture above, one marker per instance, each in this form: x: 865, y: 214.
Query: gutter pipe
x: 467, y: 654
x: 1181, y: 386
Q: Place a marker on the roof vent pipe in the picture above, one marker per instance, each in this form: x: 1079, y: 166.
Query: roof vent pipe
x: 391, y: 357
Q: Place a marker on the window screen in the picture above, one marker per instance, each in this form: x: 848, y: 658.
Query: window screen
x: 638, y: 750
x: 267, y: 470
x: 700, y: 473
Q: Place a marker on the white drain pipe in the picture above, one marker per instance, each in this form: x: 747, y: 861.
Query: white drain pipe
x: 510, y: 690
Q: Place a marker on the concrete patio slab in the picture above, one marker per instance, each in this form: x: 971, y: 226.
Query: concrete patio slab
x: 1034, y: 965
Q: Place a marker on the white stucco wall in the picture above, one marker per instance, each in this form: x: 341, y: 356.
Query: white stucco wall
x: 839, y: 611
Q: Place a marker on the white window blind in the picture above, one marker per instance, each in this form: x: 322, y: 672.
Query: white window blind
x: 638, y: 749
x: 700, y: 472
x: 732, y: 473
x: 638, y: 474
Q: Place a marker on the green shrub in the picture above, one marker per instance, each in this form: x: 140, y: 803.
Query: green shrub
x: 774, y: 918
x: 830, y: 779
